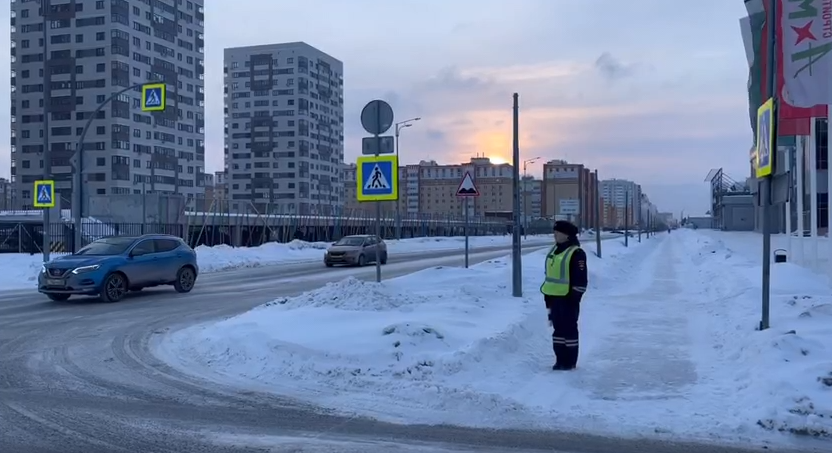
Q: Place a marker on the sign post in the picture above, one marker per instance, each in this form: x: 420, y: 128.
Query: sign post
x: 467, y: 190
x: 377, y: 176
x: 764, y: 171
x: 44, y: 191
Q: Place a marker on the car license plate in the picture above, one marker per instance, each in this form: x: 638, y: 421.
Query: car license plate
x: 54, y: 282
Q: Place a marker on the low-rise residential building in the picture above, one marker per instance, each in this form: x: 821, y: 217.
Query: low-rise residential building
x: 428, y: 189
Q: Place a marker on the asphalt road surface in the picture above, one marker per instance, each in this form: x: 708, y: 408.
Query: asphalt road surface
x: 77, y: 377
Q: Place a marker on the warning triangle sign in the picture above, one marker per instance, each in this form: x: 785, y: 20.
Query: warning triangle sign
x: 467, y: 187
x: 376, y: 180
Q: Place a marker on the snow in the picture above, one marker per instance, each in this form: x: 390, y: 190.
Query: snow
x: 21, y: 270
x: 669, y: 347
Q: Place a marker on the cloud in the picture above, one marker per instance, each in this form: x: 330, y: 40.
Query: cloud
x: 435, y: 135
x: 613, y: 69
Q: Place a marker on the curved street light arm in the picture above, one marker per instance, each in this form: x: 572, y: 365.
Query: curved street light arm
x: 78, y: 162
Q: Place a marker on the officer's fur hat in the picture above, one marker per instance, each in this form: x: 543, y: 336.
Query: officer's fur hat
x: 567, y: 228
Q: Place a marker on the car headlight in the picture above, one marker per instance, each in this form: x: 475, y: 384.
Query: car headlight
x: 82, y: 269
x: 42, y: 268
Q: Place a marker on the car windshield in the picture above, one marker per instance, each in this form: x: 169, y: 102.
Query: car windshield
x: 109, y: 246
x: 350, y: 241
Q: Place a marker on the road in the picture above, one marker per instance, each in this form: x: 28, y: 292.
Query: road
x: 78, y: 377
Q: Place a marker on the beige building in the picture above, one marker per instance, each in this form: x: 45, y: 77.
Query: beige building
x: 428, y: 188
x: 568, y: 192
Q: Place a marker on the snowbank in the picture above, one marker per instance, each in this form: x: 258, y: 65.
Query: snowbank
x: 668, y: 347
x: 21, y: 270
x: 780, y: 378
x: 444, y: 345
x: 224, y: 257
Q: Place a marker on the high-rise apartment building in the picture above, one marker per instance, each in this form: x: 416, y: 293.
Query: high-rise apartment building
x: 284, y: 129
x: 71, y: 56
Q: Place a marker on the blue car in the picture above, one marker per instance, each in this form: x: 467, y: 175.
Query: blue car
x: 111, y: 267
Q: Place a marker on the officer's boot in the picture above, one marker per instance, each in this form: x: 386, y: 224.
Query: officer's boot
x: 572, y: 358
x: 560, y: 357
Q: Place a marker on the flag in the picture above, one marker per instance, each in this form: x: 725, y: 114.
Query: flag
x: 806, y: 52
x: 793, y: 120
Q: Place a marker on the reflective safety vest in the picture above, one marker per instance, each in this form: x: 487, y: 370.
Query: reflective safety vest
x: 557, y: 272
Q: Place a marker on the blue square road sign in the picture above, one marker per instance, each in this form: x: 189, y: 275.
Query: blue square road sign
x: 153, y: 97
x: 766, y: 141
x: 44, y: 191
x: 377, y: 178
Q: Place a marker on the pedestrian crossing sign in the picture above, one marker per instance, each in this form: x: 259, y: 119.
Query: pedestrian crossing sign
x: 765, y: 139
x: 153, y: 97
x: 377, y: 178
x: 44, y: 194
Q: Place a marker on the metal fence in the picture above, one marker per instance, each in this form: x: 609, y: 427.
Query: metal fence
x: 27, y: 237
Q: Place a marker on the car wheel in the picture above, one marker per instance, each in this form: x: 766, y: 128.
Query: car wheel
x: 185, y: 280
x: 362, y: 260
x: 384, y: 258
x: 328, y: 264
x: 58, y: 297
x: 114, y: 288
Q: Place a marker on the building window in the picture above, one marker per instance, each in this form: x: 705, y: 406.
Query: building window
x: 821, y: 147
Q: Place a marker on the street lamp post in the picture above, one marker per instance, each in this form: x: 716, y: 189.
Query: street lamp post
x: 399, y: 126
x: 525, y: 193
x: 78, y: 161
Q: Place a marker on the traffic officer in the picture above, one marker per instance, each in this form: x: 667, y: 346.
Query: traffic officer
x: 565, y: 285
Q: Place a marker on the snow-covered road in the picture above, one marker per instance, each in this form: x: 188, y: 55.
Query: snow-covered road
x: 21, y: 270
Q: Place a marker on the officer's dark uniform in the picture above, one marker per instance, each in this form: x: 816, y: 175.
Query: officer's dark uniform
x: 565, y: 285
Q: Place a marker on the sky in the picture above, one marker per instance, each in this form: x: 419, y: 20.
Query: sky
x: 648, y: 90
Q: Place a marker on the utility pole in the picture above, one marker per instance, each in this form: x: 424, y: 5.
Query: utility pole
x: 516, y: 251
x: 398, y: 128
x: 597, y: 217
x: 640, y: 226
x: 626, y: 218
x: 47, y: 151
x: 78, y: 162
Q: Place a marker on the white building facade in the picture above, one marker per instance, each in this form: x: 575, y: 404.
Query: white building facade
x: 284, y: 129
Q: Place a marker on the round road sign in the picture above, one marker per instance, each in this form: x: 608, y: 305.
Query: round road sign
x: 377, y: 117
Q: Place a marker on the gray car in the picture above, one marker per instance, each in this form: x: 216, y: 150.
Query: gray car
x: 356, y: 250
